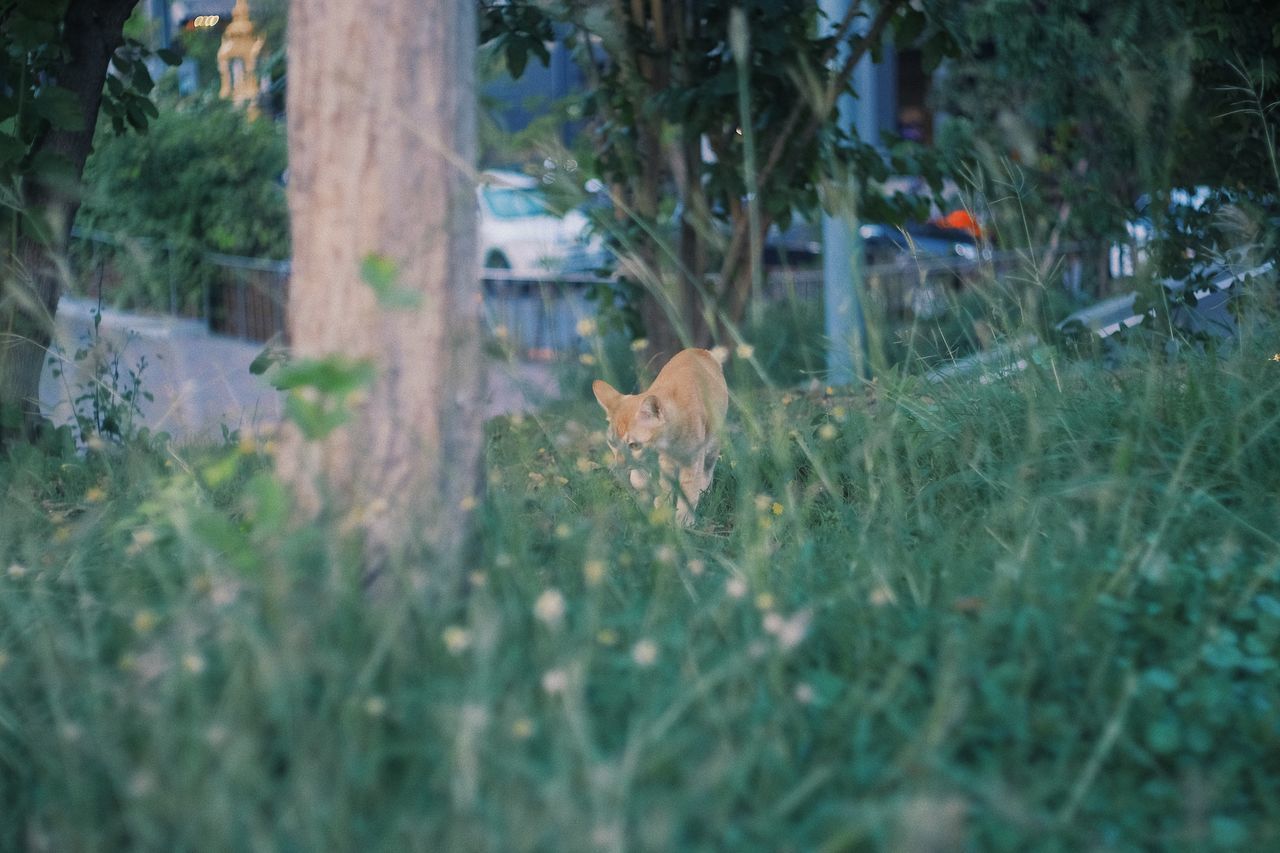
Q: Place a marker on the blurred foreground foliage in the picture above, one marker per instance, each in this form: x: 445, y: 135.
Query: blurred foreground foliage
x: 1042, y: 611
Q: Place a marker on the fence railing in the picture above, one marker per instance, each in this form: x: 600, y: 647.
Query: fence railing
x: 235, y: 296
x: 536, y: 317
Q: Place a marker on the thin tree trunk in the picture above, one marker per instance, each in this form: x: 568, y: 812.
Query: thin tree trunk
x: 382, y: 140
x: 32, y: 282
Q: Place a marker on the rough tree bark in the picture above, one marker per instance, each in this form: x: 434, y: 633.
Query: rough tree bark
x: 32, y: 283
x: 381, y: 142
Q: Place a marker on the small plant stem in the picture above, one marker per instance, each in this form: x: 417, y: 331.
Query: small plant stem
x: 1100, y: 751
x: 740, y: 40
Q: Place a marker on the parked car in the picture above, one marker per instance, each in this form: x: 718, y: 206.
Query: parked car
x: 521, y: 233
x: 800, y: 246
x: 888, y: 244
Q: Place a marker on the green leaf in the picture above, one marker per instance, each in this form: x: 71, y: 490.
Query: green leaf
x: 1164, y: 737
x: 517, y: 57
x: 60, y: 107
x: 314, y: 418
x: 382, y: 276
x: 1228, y: 832
x: 270, y: 356
x: 219, y: 472
x: 142, y: 78
x: 169, y: 57
x: 11, y: 149
x: 332, y: 375
x: 267, y: 501
x: 909, y: 27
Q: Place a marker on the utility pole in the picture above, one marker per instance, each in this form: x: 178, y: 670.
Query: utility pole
x: 843, y: 260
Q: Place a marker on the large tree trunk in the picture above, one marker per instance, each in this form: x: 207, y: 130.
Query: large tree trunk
x: 381, y: 142
x: 31, y: 283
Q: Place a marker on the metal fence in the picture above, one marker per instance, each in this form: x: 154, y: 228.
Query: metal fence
x: 535, y: 317
x: 235, y: 296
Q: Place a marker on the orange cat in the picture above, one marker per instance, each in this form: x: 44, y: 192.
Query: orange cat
x: 680, y: 416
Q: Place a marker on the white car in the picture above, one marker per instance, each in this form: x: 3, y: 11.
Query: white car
x: 521, y: 234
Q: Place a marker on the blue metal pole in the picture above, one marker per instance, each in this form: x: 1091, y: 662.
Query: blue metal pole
x: 843, y: 261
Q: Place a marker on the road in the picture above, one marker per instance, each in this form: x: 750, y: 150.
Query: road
x: 201, y: 382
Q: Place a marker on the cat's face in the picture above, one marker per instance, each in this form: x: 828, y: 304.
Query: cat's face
x: 635, y: 422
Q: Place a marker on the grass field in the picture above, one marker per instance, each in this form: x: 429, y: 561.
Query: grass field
x: 1037, y: 613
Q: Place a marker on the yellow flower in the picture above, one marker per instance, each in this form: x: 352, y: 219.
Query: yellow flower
x: 882, y: 595
x: 467, y: 504
x: 144, y: 621
x: 193, y: 663
x: 17, y: 571
x: 826, y: 432
x: 246, y: 445
x: 593, y: 572
x: 696, y: 567
x: 456, y: 639
x: 640, y: 345
x: 606, y: 636
x: 661, y: 515
x: 500, y: 332
x: 587, y: 359
x: 586, y: 327
x: 765, y: 601
x: 94, y: 494
x: 375, y: 706
x: 522, y: 729
x: 776, y: 508
x: 745, y: 351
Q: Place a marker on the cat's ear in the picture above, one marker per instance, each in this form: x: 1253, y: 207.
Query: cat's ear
x: 606, y: 396
x: 651, y: 408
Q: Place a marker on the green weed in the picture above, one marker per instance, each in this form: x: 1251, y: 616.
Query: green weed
x: 1040, y: 612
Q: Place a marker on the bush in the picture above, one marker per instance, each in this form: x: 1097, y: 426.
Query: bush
x: 203, y: 179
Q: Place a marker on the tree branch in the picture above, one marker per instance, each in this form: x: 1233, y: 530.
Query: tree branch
x: 787, y: 136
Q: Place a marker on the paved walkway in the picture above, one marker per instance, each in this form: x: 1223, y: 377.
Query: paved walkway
x: 201, y: 381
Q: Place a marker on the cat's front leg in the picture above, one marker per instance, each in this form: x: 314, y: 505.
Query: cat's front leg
x: 692, y: 484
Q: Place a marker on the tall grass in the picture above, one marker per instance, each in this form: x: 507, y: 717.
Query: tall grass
x: 1041, y: 612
